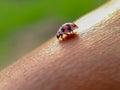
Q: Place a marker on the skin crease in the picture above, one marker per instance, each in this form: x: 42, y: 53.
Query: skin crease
x: 87, y: 61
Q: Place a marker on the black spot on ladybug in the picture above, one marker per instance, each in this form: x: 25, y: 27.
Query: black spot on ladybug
x: 62, y: 29
x: 69, y: 27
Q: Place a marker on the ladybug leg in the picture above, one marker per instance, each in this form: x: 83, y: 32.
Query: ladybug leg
x: 61, y: 36
x: 67, y: 34
x: 72, y: 31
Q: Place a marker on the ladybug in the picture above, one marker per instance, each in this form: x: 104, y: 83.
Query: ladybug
x: 66, y: 29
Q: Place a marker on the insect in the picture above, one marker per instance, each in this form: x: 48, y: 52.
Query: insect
x: 66, y: 29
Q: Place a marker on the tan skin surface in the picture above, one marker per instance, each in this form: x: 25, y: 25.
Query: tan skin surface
x: 89, y: 61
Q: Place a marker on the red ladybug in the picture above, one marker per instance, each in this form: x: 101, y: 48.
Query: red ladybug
x: 66, y: 29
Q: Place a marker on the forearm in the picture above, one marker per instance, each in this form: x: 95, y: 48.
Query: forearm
x: 88, y: 61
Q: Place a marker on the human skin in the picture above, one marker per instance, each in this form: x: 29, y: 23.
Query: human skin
x: 88, y: 60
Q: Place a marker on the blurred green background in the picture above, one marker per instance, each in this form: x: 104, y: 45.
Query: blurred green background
x: 25, y: 24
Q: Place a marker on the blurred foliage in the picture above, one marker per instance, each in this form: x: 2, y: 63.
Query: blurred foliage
x: 19, y: 13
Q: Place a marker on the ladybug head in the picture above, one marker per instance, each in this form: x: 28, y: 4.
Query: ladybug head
x: 57, y: 36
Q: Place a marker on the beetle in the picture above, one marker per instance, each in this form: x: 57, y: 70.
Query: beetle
x: 66, y: 29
